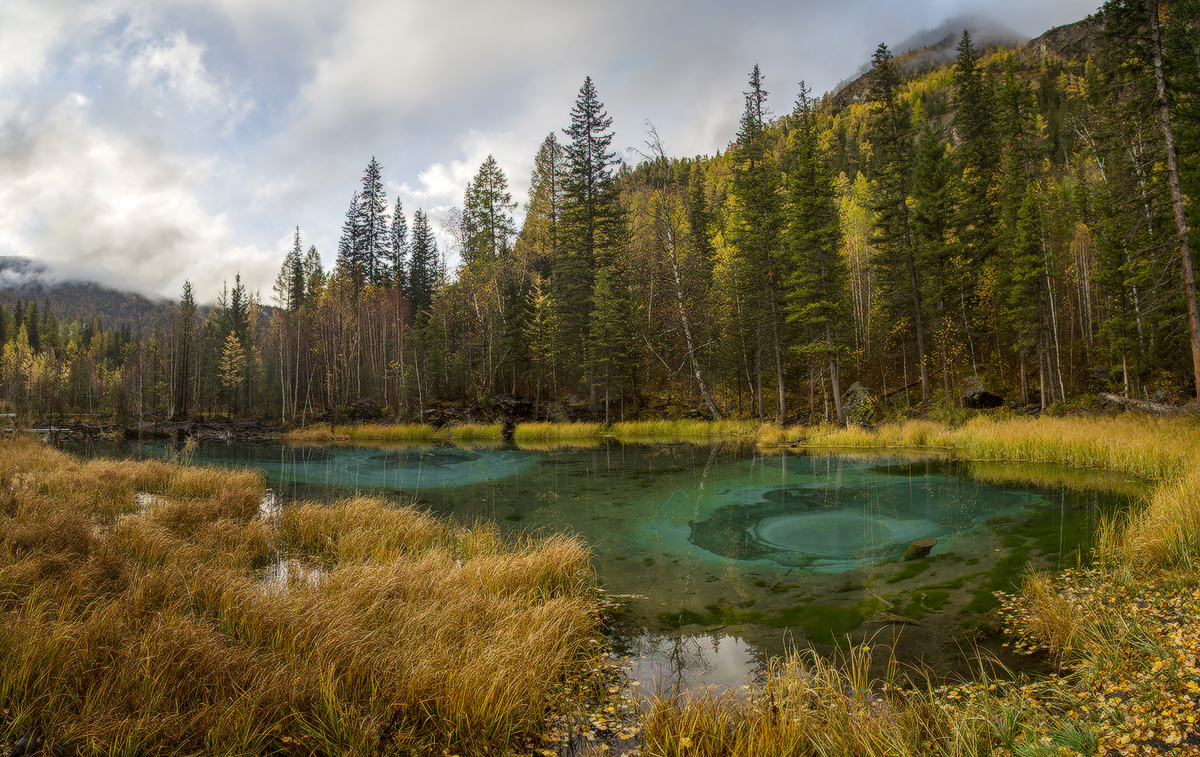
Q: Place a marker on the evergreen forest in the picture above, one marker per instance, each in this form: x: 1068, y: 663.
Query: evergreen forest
x: 1017, y: 218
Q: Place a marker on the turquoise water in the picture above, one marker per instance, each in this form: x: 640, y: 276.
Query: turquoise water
x: 729, y: 555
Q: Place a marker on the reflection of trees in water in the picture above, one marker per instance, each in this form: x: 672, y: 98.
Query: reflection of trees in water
x: 686, y: 655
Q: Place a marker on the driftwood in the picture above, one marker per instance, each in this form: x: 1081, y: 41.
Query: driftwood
x: 1149, y: 407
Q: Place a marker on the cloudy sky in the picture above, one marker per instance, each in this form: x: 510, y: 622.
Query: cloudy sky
x: 145, y: 142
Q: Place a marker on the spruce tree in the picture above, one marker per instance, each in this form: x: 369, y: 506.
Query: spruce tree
x: 891, y: 136
x: 487, y: 214
x: 374, y: 234
x: 538, y: 241
x: 591, y: 230
x: 423, y: 264
x: 978, y: 153
x: 397, y: 259
x: 945, y: 286
x: 757, y: 227
x: 817, y: 300
x: 349, y: 255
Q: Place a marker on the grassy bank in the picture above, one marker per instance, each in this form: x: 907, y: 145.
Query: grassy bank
x: 397, y: 433
x: 1125, y: 634
x: 150, y: 608
x: 533, y: 435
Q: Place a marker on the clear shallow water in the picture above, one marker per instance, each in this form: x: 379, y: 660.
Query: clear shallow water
x: 732, y: 555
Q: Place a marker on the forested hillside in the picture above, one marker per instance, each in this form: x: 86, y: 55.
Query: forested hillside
x: 1016, y: 217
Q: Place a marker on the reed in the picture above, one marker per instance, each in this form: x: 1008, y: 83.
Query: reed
x: 320, y: 433
x: 473, y: 432
x: 395, y: 432
x: 810, y: 705
x: 140, y: 616
x: 667, y: 430
x: 564, y: 433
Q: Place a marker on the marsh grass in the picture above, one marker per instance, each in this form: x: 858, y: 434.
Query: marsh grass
x: 573, y: 434
x: 153, y: 630
x: 811, y: 705
x: 667, y: 430
x: 321, y: 433
x: 474, y: 432
x: 395, y: 432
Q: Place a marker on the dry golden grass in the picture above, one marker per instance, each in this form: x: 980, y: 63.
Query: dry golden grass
x: 566, y: 434
x: 321, y: 433
x: 809, y: 705
x: 139, y: 615
x: 381, y: 432
x: 641, y: 431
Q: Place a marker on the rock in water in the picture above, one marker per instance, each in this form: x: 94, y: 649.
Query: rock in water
x: 919, y: 548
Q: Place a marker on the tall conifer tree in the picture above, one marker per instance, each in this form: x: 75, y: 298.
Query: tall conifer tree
x: 891, y: 135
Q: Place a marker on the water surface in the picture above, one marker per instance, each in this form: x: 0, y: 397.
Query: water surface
x: 731, y: 555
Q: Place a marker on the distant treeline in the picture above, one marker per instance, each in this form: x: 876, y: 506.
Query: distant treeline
x: 1017, y: 217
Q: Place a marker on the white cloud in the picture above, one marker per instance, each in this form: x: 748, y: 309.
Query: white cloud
x: 153, y: 140
x: 177, y: 64
x: 110, y: 208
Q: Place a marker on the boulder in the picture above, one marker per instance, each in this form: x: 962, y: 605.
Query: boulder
x: 512, y: 408
x: 861, y: 404
x: 976, y: 396
x: 919, y: 548
x: 364, y: 409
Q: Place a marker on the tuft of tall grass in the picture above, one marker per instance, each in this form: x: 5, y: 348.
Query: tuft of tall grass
x: 396, y: 432
x: 138, y: 615
x: 558, y: 433
x: 1166, y: 532
x: 473, y: 432
x: 810, y: 705
x: 667, y: 430
x: 320, y: 433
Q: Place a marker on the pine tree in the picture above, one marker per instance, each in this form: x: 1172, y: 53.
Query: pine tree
x: 487, y: 214
x: 423, y: 264
x: 537, y: 244
x: 591, y: 230
x: 758, y: 225
x: 397, y: 260
x: 817, y: 300
x: 891, y: 137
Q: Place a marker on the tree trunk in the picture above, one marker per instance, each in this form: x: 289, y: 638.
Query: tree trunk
x: 1181, y: 229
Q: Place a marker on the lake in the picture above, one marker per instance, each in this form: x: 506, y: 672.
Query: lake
x: 730, y: 555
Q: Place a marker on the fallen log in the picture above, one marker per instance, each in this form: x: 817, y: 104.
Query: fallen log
x: 1149, y: 407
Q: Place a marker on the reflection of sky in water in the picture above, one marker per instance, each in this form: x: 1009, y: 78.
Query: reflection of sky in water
x: 661, y: 665
x: 411, y: 469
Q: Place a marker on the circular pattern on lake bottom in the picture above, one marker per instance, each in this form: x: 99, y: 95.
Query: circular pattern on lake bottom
x: 806, y: 525
x: 419, y: 458
x: 837, y: 533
